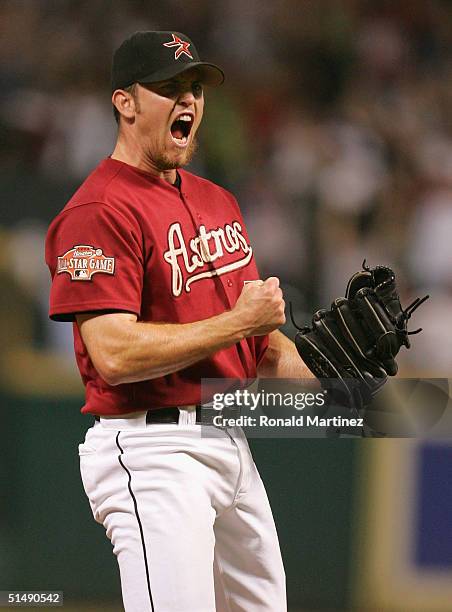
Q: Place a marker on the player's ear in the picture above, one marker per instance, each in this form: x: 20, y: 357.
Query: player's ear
x: 125, y: 102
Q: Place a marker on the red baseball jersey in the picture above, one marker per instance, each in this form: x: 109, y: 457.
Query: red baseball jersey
x: 128, y: 241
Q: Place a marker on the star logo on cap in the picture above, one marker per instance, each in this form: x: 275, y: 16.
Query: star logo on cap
x: 182, y: 46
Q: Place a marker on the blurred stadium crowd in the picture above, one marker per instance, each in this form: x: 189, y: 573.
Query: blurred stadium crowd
x: 333, y: 130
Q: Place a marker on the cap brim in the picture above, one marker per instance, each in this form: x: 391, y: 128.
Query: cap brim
x: 210, y: 74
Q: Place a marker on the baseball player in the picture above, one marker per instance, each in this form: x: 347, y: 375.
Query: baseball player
x: 151, y: 264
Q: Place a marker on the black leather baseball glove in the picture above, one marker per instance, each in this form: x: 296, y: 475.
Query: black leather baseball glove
x: 352, y: 347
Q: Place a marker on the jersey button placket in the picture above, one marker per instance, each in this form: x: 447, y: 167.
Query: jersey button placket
x: 227, y: 284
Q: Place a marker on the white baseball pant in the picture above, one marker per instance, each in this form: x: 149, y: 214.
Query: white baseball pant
x: 187, y: 515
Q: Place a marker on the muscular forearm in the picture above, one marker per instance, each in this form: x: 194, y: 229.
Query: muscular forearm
x: 124, y: 350
x: 281, y: 360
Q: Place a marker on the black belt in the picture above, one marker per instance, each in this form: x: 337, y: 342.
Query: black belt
x: 171, y: 415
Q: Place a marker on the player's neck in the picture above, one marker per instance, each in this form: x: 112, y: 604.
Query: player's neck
x: 134, y: 158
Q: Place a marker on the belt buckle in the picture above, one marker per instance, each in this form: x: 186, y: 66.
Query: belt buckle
x: 228, y: 412
x: 231, y: 412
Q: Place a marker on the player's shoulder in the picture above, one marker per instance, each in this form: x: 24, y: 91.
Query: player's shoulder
x: 96, y: 188
x: 106, y: 188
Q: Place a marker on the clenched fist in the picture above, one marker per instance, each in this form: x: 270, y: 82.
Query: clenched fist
x: 260, y: 307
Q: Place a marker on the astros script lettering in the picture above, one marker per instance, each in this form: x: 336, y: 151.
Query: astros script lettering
x: 204, y: 249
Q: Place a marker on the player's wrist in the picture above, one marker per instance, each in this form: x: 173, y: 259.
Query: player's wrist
x: 234, y: 326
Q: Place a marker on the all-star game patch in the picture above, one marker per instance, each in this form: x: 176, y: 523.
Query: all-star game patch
x: 82, y: 261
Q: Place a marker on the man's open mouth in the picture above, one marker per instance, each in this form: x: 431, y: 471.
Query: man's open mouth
x: 181, y: 128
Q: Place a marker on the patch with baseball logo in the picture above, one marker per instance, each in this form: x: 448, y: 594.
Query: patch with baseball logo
x: 82, y: 261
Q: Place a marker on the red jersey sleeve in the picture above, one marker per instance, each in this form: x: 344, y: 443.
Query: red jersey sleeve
x: 95, y: 256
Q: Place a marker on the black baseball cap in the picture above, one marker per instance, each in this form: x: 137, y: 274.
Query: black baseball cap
x: 149, y: 57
